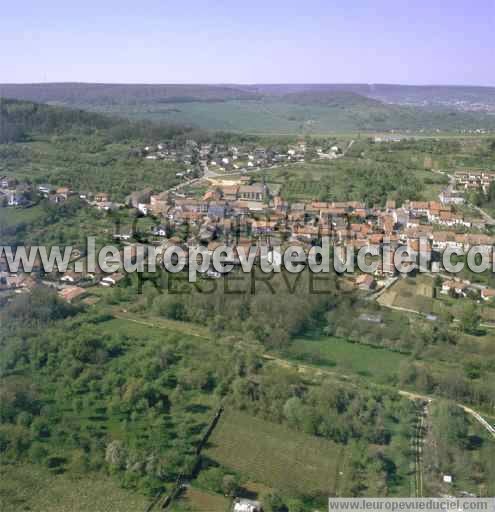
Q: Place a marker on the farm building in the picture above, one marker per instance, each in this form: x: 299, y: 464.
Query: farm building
x: 244, y: 505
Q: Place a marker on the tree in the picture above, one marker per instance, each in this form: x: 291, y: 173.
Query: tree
x: 470, y: 319
x: 272, y: 502
x: 407, y: 373
x: 212, y: 479
x: 437, y: 282
x: 38, y: 453
x: 230, y: 485
x: 293, y: 411
x: 116, y: 454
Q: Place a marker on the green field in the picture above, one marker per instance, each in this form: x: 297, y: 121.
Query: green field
x: 346, y: 356
x: 30, y: 487
x: 275, y: 455
x: 276, y: 116
x: 11, y: 216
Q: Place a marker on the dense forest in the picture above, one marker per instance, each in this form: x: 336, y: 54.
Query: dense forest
x: 129, y: 94
x: 19, y: 120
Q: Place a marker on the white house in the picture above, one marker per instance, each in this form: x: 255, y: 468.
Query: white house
x: 144, y: 208
x: 70, y: 277
x: 244, y: 505
x: 112, y: 279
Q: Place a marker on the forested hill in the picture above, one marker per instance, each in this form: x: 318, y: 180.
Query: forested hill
x: 331, y: 99
x: 19, y: 120
x: 123, y: 94
x: 463, y: 97
x: 277, y: 109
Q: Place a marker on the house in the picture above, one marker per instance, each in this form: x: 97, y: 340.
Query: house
x: 458, y: 288
x: 71, y: 292
x: 6, y: 182
x: 46, y: 189
x: 121, y: 236
x: 107, y: 206
x: 14, y: 199
x: 419, y: 207
x: 63, y: 192
x: 57, y: 198
x: 159, y: 203
x: 13, y: 281
x: 365, y: 282
x: 244, y: 505
x: 160, y: 230
x: 451, y: 197
x: 254, y: 192
x: 401, y: 216
x: 70, y: 277
x: 263, y: 226
x: 306, y: 232
x: 444, y: 239
x: 112, y: 279
x: 144, y: 208
x: 138, y: 197
x: 230, y: 192
x: 485, y: 243
x: 102, y: 197
x: 217, y: 209
x: 373, y: 319
x: 487, y: 293
x: 390, y: 205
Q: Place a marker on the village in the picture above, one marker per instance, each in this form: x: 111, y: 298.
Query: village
x: 220, y: 201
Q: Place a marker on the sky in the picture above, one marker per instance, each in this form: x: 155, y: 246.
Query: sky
x: 449, y: 42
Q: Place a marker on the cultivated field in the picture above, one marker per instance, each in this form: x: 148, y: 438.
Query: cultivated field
x: 404, y: 294
x: 276, y: 456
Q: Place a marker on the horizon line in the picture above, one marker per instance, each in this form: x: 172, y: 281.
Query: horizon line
x: 250, y: 84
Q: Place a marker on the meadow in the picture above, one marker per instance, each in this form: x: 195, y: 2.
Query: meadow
x: 10, y: 217
x: 346, y: 357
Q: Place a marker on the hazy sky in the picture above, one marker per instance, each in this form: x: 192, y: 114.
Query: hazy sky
x: 249, y: 41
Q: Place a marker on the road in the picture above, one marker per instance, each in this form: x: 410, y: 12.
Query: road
x: 476, y: 415
x: 490, y: 221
